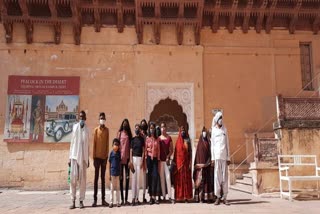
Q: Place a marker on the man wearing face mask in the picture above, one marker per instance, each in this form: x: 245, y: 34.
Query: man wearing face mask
x: 220, y: 158
x: 79, y: 159
x: 100, y: 157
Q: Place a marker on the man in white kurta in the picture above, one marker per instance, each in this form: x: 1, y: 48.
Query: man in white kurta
x: 79, y: 159
x: 220, y: 157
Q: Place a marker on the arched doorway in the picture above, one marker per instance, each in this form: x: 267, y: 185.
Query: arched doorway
x: 170, y: 112
x: 182, y: 93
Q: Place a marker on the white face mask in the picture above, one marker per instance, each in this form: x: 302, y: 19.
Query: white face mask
x: 204, y: 134
x: 102, y: 122
x: 220, y: 122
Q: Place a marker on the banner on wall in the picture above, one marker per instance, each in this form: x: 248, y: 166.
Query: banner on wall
x: 41, y: 108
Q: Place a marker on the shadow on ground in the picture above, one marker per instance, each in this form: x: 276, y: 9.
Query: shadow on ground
x: 245, y: 202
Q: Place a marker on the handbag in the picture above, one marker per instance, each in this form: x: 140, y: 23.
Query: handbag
x: 198, y: 173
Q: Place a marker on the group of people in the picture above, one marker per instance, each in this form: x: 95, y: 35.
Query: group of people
x: 147, y: 154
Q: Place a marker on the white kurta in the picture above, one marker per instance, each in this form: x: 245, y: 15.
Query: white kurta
x: 79, y: 146
x: 219, y: 143
x: 220, y: 154
x: 79, y: 156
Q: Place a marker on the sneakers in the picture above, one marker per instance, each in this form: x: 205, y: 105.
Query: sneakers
x: 73, y: 205
x: 81, y: 206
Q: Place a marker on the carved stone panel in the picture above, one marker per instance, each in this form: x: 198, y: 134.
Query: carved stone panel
x: 181, y: 92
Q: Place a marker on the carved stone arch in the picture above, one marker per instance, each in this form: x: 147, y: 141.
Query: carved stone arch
x: 170, y: 112
x: 181, y: 92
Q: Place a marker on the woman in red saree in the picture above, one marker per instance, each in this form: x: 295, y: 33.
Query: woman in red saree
x: 182, y: 173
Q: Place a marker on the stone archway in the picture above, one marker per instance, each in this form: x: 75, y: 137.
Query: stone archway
x: 170, y: 112
x: 181, y: 92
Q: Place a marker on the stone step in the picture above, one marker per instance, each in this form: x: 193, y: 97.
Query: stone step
x: 242, y: 188
x: 247, y: 175
x: 245, y: 181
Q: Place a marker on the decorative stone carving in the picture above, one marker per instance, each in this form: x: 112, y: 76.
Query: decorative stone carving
x: 179, y: 30
x: 9, y: 30
x: 156, y: 32
x: 29, y: 32
x: 264, y: 14
x: 182, y: 93
x: 77, y: 34
x: 57, y: 33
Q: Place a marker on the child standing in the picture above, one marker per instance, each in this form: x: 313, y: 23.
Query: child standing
x: 114, y: 167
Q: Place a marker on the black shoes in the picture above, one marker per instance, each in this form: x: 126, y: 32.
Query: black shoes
x: 94, y: 204
x: 81, y: 206
x: 172, y: 201
x: 151, y: 201
x: 73, y: 205
x: 104, y: 203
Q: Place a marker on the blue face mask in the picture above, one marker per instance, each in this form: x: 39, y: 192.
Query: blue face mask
x: 81, y: 122
x: 183, y: 134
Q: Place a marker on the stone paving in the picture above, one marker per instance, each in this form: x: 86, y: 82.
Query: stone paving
x: 18, y: 201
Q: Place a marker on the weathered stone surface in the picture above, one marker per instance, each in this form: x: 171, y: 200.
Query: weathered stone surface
x: 239, y: 73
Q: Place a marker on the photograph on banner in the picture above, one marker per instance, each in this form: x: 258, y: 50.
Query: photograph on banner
x: 41, y: 109
x: 17, y: 120
x: 37, y: 118
x: 61, y: 113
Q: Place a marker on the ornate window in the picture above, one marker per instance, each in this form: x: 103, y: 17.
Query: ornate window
x: 306, y: 66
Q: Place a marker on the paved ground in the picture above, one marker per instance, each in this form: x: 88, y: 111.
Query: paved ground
x: 32, y: 202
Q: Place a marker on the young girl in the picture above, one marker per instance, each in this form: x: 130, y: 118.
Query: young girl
x: 124, y: 136
x: 152, y: 155
x: 136, y: 157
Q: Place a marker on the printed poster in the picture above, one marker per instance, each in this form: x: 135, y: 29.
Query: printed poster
x: 41, y: 109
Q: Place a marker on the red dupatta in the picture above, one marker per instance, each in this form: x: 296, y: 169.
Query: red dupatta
x: 181, y: 155
x: 182, y: 175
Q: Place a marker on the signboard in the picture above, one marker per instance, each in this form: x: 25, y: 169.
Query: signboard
x: 41, y: 109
